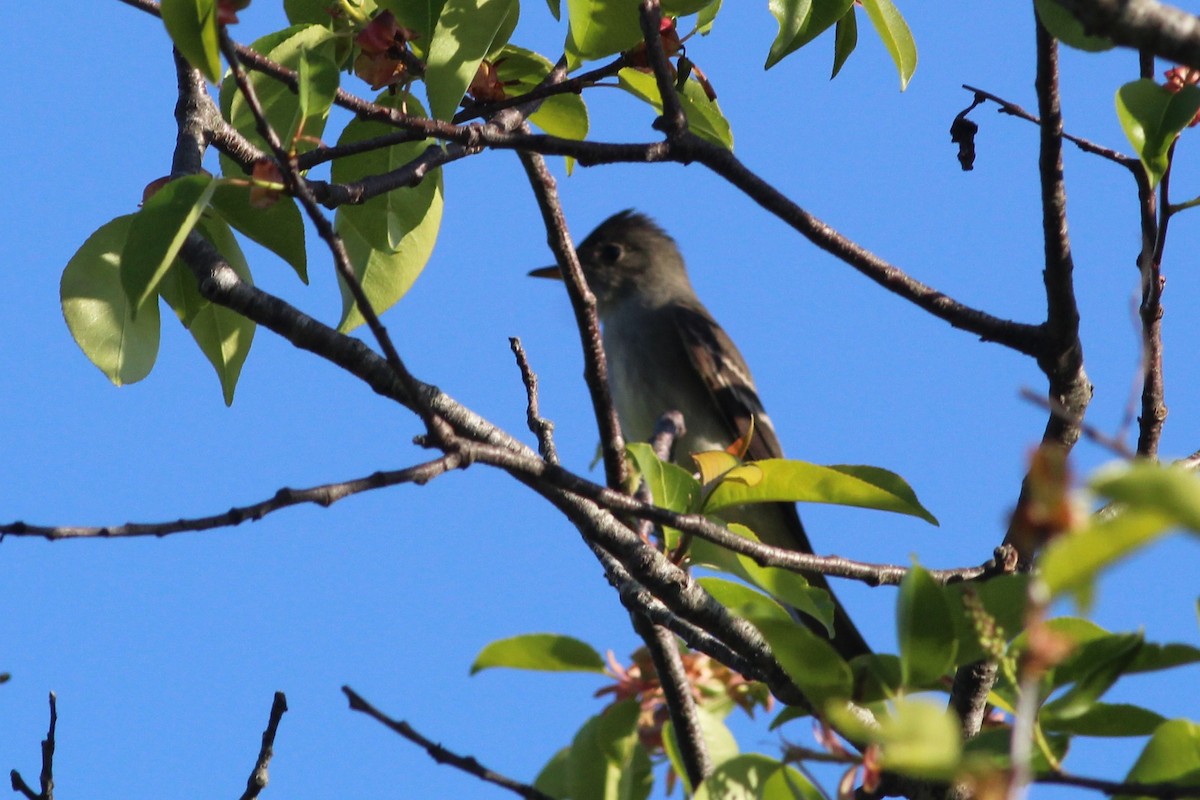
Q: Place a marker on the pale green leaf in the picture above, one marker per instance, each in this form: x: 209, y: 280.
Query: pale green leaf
x: 278, y: 227
x: 1152, y: 117
x: 599, y: 28
x: 670, y: 485
x: 281, y: 106
x: 845, y: 39
x: 545, y: 652
x: 465, y: 33
x: 756, y: 777
x: 158, y: 231
x: 97, y: 308
x: 192, y: 25
x: 223, y: 335
x: 1072, y: 561
x: 390, y: 237
x: 801, y: 21
x: 896, y: 36
x: 1105, y: 719
x: 925, y: 630
x: 785, y: 480
x: 783, y: 585
x: 1063, y: 26
x: 1171, y: 490
x: 420, y: 16
x: 921, y: 739
x: 704, y: 21
x: 521, y: 71
x: 704, y: 116
x: 606, y: 761
x: 1171, y: 756
x: 719, y: 742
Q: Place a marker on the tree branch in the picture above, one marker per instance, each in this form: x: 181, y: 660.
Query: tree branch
x: 441, y: 755
x: 324, y: 495
x: 258, y: 776
x: 46, y: 777
x: 1165, y: 31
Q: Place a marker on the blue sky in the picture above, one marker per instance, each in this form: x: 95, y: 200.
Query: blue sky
x: 165, y: 653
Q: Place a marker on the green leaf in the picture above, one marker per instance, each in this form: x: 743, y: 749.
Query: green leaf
x: 192, y: 25
x: 801, y: 21
x: 317, y: 83
x: 521, y: 71
x: 684, y: 8
x: 918, y: 737
x: 989, y: 750
x: 719, y: 741
x: 896, y: 36
x: 707, y: 16
x: 670, y: 485
x: 223, y: 335
x: 1171, y: 490
x: 98, y: 312
x: 281, y: 106
x: 925, y: 630
x: 465, y: 33
x: 421, y: 16
x: 744, y: 601
x: 1171, y: 756
x: 704, y: 116
x: 545, y: 652
x: 554, y: 779
x: 278, y: 227
x: 1152, y: 118
x: 390, y: 237
x: 1093, y: 669
x: 319, y: 11
x: 599, y: 28
x: 606, y: 761
x: 1063, y: 26
x: 756, y: 777
x: 808, y: 659
x: 783, y: 585
x: 555, y: 8
x: 1105, y: 719
x: 785, y: 480
x: 1004, y: 599
x: 158, y: 231
x: 845, y: 39
x: 1072, y: 561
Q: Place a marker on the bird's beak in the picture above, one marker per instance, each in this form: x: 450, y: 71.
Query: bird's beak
x: 546, y: 272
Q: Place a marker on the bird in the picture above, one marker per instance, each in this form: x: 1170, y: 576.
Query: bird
x: 665, y: 352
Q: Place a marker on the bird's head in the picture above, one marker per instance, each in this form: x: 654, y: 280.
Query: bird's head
x: 629, y: 255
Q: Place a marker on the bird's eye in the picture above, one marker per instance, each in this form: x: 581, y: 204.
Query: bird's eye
x: 610, y: 253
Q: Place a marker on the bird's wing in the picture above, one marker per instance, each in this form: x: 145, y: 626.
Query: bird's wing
x: 728, y: 380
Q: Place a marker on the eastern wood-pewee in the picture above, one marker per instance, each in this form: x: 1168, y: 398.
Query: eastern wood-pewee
x: 666, y: 352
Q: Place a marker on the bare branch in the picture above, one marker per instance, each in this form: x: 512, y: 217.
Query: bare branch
x: 46, y: 776
x: 677, y: 691
x: 583, y: 303
x: 541, y: 427
x: 258, y: 776
x: 673, y: 121
x: 1012, y: 109
x: 324, y: 495
x: 1147, y: 25
x: 441, y: 755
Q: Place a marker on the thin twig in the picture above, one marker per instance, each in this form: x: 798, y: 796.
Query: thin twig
x: 1113, y: 443
x: 441, y: 755
x: 324, y: 495
x: 46, y: 776
x: 259, y: 776
x: 1012, y: 109
x: 673, y: 121
x: 583, y: 303
x: 541, y: 427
